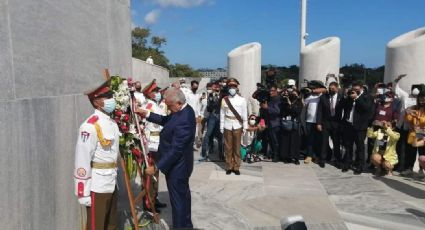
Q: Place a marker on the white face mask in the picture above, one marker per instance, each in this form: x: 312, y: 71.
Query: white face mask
x: 380, y: 91
x: 209, y: 91
x: 252, y: 122
x: 415, y: 92
x: 232, y: 91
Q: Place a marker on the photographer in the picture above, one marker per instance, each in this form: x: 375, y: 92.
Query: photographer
x: 384, y: 154
x: 313, y: 135
x: 358, y: 109
x: 292, y: 107
x: 415, y: 116
x: 273, y: 110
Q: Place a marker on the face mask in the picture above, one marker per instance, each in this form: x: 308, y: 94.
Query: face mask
x: 232, y: 91
x: 209, y: 91
x: 158, y: 97
x: 380, y: 91
x: 109, y: 105
x: 415, y: 92
x: 289, y: 90
x: 388, y: 99
x: 252, y: 122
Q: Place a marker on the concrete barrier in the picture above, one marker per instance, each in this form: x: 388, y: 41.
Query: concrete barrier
x: 405, y: 54
x: 145, y: 73
x: 50, y: 53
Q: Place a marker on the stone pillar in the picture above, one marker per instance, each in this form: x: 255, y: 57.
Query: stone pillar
x: 51, y: 51
x: 244, y: 64
x: 319, y: 59
x: 145, y: 73
x: 405, y: 55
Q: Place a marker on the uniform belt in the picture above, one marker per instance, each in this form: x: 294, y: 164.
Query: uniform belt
x: 107, y: 165
x: 154, y: 133
x: 231, y: 118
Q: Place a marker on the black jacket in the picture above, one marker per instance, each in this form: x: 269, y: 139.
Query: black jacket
x: 324, y: 116
x: 363, y: 111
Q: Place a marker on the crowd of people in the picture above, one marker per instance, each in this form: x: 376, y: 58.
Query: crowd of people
x: 353, y: 128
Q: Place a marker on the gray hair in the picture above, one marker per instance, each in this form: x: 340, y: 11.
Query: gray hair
x: 175, y: 95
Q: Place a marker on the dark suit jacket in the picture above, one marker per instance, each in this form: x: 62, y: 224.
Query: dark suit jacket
x: 363, y: 111
x: 176, y: 142
x: 324, y: 110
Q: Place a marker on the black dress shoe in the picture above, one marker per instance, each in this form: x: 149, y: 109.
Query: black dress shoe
x: 228, y: 172
x: 159, y: 204
x: 344, y: 169
x: 358, y: 171
x: 237, y: 172
x: 321, y: 164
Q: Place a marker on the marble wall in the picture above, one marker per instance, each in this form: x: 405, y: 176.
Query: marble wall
x: 51, y: 51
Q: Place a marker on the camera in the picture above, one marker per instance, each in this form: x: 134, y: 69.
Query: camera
x: 262, y: 94
x: 382, y: 144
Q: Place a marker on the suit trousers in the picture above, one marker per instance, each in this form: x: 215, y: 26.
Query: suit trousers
x: 351, y: 137
x: 232, y: 148
x: 334, y: 132
x: 181, y: 202
x: 274, y: 137
x: 102, y: 215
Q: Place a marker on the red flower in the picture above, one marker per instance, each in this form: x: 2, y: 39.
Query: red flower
x: 117, y: 120
x: 136, y: 152
x: 118, y: 113
x: 126, y: 118
x: 124, y: 128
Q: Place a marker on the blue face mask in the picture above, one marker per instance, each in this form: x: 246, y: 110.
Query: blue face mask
x: 109, y: 105
x: 232, y: 91
x: 158, y: 97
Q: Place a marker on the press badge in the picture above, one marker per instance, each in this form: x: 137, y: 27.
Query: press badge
x: 382, y: 113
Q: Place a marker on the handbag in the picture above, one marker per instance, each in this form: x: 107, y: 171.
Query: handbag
x: 287, y: 124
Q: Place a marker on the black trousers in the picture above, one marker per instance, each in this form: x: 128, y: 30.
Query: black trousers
x: 181, y: 202
x: 334, y: 132
x: 351, y: 137
x: 290, y: 145
x: 274, y: 137
x: 411, y: 153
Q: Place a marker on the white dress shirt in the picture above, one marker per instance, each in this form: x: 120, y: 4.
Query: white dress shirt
x: 227, y: 118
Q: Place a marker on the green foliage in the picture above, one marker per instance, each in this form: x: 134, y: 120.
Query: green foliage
x: 142, y: 49
x: 181, y: 70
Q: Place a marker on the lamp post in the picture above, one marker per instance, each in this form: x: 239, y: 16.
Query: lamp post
x: 303, y: 35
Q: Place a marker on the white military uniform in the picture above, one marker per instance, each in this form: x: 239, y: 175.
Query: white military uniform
x: 95, y: 165
x: 227, y: 118
x: 152, y: 130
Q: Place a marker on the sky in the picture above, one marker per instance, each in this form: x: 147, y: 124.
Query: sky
x: 201, y: 32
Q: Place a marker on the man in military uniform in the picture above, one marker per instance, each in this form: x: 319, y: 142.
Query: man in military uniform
x: 233, y: 123
x: 96, y: 154
x: 155, y: 104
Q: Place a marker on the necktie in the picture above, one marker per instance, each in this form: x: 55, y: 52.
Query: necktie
x: 332, y: 106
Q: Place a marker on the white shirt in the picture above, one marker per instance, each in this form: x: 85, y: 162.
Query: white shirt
x: 89, y: 150
x: 203, y: 107
x: 311, y: 102
x: 149, y: 60
x: 332, y: 103
x: 227, y: 118
x: 140, y: 98
x: 193, y: 100
x: 406, y: 102
x: 151, y: 129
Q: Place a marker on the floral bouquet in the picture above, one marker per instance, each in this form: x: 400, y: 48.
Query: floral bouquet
x: 129, y: 143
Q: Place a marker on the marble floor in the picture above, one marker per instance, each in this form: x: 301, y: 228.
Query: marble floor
x: 266, y: 193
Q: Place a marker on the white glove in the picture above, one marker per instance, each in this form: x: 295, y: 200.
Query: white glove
x: 221, y: 131
x: 86, y: 201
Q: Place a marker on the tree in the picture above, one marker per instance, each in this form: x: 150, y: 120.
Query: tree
x: 142, y: 49
x: 158, y: 41
x: 181, y: 70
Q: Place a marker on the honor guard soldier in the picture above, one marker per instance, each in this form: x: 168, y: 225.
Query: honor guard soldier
x: 154, y: 104
x: 233, y: 123
x: 96, y: 155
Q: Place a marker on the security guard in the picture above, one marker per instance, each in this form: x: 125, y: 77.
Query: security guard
x: 154, y: 104
x: 233, y: 123
x: 96, y: 154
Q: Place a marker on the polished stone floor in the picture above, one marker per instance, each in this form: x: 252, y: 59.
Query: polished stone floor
x: 268, y: 192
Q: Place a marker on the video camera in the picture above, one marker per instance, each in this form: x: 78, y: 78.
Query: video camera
x: 262, y: 94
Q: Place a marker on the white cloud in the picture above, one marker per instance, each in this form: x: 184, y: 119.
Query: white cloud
x: 181, y: 3
x: 152, y: 17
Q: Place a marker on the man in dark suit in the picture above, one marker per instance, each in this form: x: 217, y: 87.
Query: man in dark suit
x: 176, y: 149
x: 329, y: 116
x: 357, y: 114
